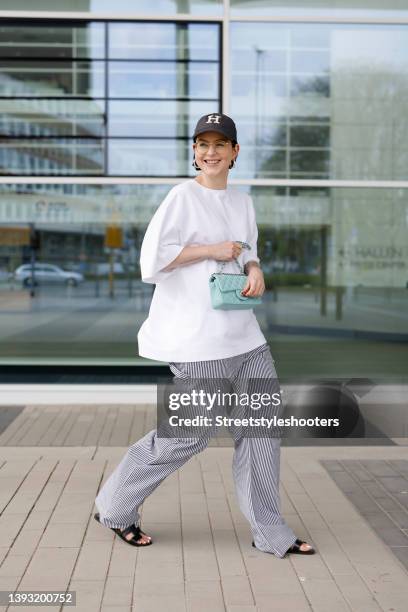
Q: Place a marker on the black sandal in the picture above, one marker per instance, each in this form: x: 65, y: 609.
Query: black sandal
x: 295, y: 548
x: 136, y: 531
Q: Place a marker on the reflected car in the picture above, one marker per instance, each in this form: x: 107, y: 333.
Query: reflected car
x: 47, y: 273
x: 103, y: 269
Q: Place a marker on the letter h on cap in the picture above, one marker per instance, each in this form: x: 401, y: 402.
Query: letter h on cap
x: 213, y: 119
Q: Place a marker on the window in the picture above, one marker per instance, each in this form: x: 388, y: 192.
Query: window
x: 146, y: 83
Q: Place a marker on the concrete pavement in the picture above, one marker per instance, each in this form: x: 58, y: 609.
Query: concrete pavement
x: 202, y: 556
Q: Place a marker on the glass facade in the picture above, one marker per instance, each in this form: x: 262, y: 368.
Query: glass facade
x: 317, y: 104
x: 320, y: 101
x: 115, y: 99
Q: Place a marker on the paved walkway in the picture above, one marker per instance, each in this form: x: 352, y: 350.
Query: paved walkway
x: 202, y: 556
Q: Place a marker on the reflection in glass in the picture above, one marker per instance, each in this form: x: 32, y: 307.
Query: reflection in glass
x: 163, y: 80
x: 338, y: 101
x: 52, y: 157
x: 44, y: 79
x: 335, y: 263
x: 167, y: 41
x: 159, y: 78
x: 52, y: 118
x: 144, y: 157
x: 336, y: 268
x: 54, y: 40
x: 158, y: 118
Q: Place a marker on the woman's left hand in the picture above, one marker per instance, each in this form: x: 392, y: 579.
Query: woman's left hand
x: 255, y: 285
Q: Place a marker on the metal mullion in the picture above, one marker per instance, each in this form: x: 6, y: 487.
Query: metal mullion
x: 70, y: 137
x: 40, y: 60
x: 57, y: 16
x: 321, y: 19
x: 79, y: 137
x: 74, y: 150
x: 87, y: 16
x: 288, y: 78
x: 103, y: 98
x: 225, y: 59
x: 166, y: 61
x: 106, y: 109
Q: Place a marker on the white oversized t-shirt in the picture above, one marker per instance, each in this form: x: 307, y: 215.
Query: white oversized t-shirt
x: 182, y: 325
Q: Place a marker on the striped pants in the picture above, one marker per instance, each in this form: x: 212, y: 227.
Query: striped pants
x: 256, y: 461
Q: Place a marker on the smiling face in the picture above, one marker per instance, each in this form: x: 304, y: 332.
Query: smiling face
x: 214, y: 153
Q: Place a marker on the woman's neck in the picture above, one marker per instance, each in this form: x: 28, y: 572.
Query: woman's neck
x: 219, y: 182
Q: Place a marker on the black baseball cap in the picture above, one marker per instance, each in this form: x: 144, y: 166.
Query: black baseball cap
x: 216, y: 122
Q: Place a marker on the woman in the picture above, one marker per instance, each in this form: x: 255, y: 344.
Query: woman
x: 202, y: 222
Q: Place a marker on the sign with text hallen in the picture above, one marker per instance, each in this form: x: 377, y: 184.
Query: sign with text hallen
x: 368, y: 242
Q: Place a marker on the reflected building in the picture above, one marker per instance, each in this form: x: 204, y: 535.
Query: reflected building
x: 98, y: 105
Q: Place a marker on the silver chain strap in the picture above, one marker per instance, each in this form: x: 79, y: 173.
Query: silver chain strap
x: 244, y: 245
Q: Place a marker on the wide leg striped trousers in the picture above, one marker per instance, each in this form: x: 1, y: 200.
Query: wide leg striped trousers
x: 255, y: 467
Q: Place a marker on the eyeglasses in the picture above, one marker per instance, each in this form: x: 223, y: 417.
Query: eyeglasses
x: 203, y: 147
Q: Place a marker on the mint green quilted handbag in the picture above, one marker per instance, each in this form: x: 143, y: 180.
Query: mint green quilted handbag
x: 226, y: 289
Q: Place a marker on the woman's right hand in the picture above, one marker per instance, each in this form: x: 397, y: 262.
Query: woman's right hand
x: 225, y: 251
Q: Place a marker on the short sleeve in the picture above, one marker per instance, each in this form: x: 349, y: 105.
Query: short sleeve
x: 251, y: 255
x: 162, y: 240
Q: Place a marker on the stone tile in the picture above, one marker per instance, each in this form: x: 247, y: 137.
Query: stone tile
x: 3, y: 552
x: 400, y: 517
x: 10, y: 526
x: 228, y: 553
x: 169, y: 597
x: 118, y: 591
x: 88, y: 595
x: 401, y: 466
x: 204, y: 595
x: 378, y: 467
x: 14, y: 565
x: 283, y: 602
x: 401, y: 552
x: 63, y: 535
x: 27, y: 541
x: 346, y: 482
x: 402, y: 498
x: 122, y: 562
x: 394, y: 484
x: 93, y: 561
x: 362, y: 501
x: 49, y: 569
x: 384, y: 490
x: 237, y: 591
x: 392, y: 536
x: 9, y: 584
x: 357, y: 470
x: 332, y: 465
x: 356, y: 593
x: 324, y: 595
